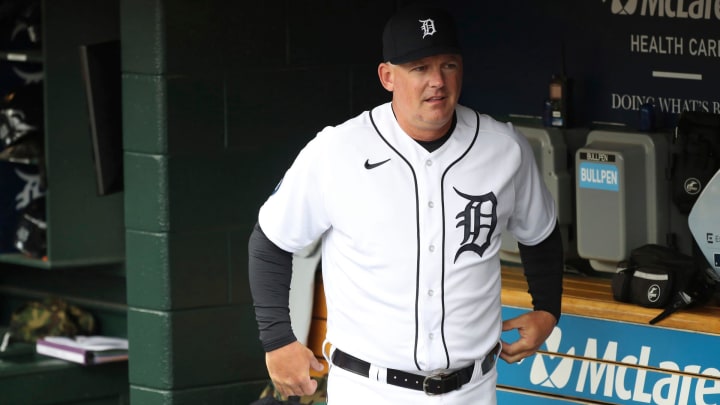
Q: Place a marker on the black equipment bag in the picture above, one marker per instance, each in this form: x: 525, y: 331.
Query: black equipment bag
x: 695, y: 156
x: 657, y: 276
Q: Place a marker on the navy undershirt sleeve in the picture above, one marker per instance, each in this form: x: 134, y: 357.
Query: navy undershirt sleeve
x: 544, y: 265
x: 270, y: 273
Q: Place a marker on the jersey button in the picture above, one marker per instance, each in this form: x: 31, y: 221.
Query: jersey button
x: 431, y: 336
x: 428, y: 163
x: 431, y: 248
x: 431, y: 293
x: 431, y: 204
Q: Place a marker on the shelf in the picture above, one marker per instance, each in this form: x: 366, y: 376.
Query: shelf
x: 22, y: 260
x: 19, y: 258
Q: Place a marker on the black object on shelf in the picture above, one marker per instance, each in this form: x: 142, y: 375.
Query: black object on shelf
x: 101, y: 75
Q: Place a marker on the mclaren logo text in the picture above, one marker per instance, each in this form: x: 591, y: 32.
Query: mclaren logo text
x: 688, y: 9
x: 633, y: 378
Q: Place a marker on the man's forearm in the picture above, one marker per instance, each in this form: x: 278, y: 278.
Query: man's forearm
x: 270, y: 273
x: 543, y: 265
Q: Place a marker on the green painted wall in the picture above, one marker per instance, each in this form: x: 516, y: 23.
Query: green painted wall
x: 218, y: 98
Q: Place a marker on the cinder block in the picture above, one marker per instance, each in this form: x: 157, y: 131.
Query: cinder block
x: 147, y: 270
x: 255, y: 31
x: 208, y: 191
x: 151, y: 349
x: 239, y: 286
x: 205, y: 191
x: 195, y: 113
x: 179, y: 115
x: 352, y: 24
x: 170, y: 271
x: 173, y: 37
x: 227, y: 394
x: 145, y: 128
x: 194, y: 33
x: 142, y: 34
x: 217, y: 345
x: 194, y: 348
x: 147, y: 201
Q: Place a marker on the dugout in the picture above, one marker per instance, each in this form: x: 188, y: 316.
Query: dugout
x: 203, y: 84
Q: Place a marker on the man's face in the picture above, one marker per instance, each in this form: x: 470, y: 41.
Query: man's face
x: 425, y: 93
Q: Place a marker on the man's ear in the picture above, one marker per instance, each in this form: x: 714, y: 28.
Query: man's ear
x: 386, y: 74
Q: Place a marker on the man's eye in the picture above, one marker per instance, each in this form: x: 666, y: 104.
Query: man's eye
x: 419, y: 69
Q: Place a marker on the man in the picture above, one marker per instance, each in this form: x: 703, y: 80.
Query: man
x: 409, y: 200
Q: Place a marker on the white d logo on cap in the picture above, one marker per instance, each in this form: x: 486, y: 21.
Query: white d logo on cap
x: 427, y: 27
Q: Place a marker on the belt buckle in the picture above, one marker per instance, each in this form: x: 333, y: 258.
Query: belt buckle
x: 441, y: 378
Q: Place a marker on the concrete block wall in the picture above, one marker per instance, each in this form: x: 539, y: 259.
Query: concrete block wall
x: 218, y: 97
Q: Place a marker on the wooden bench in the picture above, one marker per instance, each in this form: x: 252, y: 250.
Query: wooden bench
x: 592, y: 297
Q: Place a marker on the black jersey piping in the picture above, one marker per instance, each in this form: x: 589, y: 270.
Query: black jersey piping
x: 417, y: 230
x: 442, y: 203
x: 417, y: 224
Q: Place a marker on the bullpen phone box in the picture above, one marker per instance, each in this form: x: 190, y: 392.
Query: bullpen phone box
x: 550, y: 153
x: 622, y: 195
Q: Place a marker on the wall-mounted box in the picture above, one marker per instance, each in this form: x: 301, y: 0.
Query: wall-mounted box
x: 550, y: 153
x: 622, y: 195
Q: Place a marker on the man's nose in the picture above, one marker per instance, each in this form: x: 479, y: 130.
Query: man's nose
x: 437, y: 78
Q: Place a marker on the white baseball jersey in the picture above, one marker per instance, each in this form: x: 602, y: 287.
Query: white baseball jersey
x: 410, y: 238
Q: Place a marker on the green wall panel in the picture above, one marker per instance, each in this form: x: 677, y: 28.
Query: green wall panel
x: 239, y: 285
x: 76, y: 214
x: 219, y: 98
x: 148, y: 281
x: 196, y: 114
x: 151, y: 348
x: 355, y: 28
x: 194, y: 348
x: 230, y: 394
x: 147, y: 199
x: 142, y: 32
x: 217, y: 345
x: 144, y: 123
x: 172, y: 37
x: 285, y: 115
x: 179, y: 115
x: 193, y: 34
x: 206, y: 190
x: 198, y: 192
x: 177, y: 271
x: 43, y: 380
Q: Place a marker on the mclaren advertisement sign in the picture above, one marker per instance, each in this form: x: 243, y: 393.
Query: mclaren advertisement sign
x: 618, y: 55
x: 618, y: 363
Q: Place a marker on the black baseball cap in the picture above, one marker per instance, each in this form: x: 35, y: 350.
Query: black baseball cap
x: 418, y: 31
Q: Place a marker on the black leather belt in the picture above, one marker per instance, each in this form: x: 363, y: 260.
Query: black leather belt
x: 434, y: 384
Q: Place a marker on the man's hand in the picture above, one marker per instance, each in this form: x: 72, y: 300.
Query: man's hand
x: 534, y: 328
x: 289, y: 369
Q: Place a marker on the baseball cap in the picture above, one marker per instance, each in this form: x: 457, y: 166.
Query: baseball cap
x: 418, y: 31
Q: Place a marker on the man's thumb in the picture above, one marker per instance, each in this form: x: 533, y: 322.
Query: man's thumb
x: 316, y: 365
